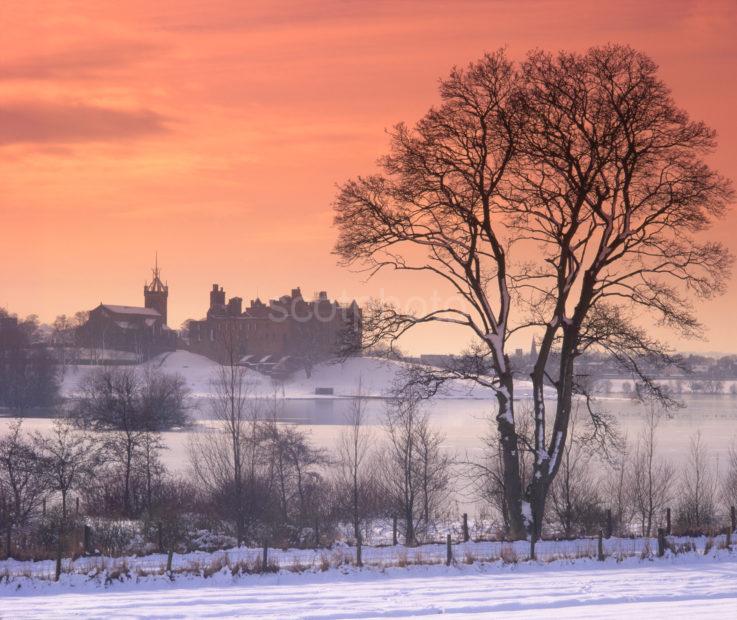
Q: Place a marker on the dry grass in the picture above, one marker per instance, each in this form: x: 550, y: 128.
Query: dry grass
x: 296, y: 566
x: 244, y: 567
x: 324, y: 563
x: 508, y: 555
x: 118, y: 572
x: 684, y: 547
x: 215, y: 566
x: 402, y: 558
x: 122, y: 569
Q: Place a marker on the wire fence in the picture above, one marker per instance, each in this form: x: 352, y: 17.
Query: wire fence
x: 251, y: 559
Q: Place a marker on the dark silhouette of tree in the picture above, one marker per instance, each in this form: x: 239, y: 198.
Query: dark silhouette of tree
x: 21, y: 480
x: 28, y: 371
x: 567, y: 196
x: 132, y: 407
x: 68, y: 459
x: 226, y: 462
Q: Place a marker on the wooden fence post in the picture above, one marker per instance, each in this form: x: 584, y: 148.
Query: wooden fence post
x: 661, y: 542
x: 728, y: 542
x: 265, y: 560
x: 394, y: 530
x: 466, y: 537
x: 600, y: 547
x: 533, y: 542
x: 667, y: 522
x: 359, y: 550
x: 733, y: 517
x: 448, y: 551
x: 609, y: 527
x: 169, y: 558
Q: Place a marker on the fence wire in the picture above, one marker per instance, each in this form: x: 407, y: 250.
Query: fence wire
x: 250, y: 559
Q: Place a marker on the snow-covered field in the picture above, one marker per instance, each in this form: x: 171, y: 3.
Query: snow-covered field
x: 684, y: 586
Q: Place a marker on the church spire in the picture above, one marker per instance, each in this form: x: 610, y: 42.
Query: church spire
x: 156, y: 293
x: 156, y: 286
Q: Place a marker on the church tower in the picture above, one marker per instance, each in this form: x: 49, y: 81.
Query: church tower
x: 156, y: 293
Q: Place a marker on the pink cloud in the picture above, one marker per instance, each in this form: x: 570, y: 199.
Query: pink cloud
x: 59, y: 123
x: 84, y: 62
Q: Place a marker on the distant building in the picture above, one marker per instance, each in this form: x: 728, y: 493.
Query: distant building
x: 156, y: 294
x: 277, y: 337
x: 129, y: 333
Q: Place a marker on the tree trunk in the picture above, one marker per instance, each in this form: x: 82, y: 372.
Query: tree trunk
x: 548, y: 460
x: 510, y: 460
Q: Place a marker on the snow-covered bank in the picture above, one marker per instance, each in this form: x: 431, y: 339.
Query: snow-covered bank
x: 375, y: 376
x: 683, y: 586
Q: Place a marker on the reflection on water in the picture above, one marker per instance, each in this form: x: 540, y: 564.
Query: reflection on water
x: 465, y: 422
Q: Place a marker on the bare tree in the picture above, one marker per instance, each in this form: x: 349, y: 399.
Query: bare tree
x: 109, y: 402
x: 220, y: 459
x: 435, y: 467
x: 486, y: 474
x: 651, y: 478
x: 415, y: 472
x: 150, y: 467
x: 21, y: 479
x: 226, y: 462
x: 299, y: 479
x: 697, y: 491
x: 164, y: 399
x: 584, y: 166
x: 130, y: 407
x: 729, y: 483
x: 354, y: 472
x: 68, y: 458
x: 28, y: 373
x: 617, y: 491
x: 576, y: 503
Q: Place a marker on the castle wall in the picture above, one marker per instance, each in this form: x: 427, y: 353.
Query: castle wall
x: 290, y: 326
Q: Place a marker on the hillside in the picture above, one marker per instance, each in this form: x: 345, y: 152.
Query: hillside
x: 375, y: 377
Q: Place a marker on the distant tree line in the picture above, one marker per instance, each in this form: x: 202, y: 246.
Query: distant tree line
x: 29, y: 375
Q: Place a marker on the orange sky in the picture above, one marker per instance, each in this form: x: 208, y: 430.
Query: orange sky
x: 215, y: 132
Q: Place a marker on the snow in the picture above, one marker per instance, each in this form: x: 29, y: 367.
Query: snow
x: 685, y: 586
x: 556, y: 450
x: 375, y: 375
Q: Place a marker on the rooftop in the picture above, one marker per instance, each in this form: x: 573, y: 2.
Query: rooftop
x: 131, y: 310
